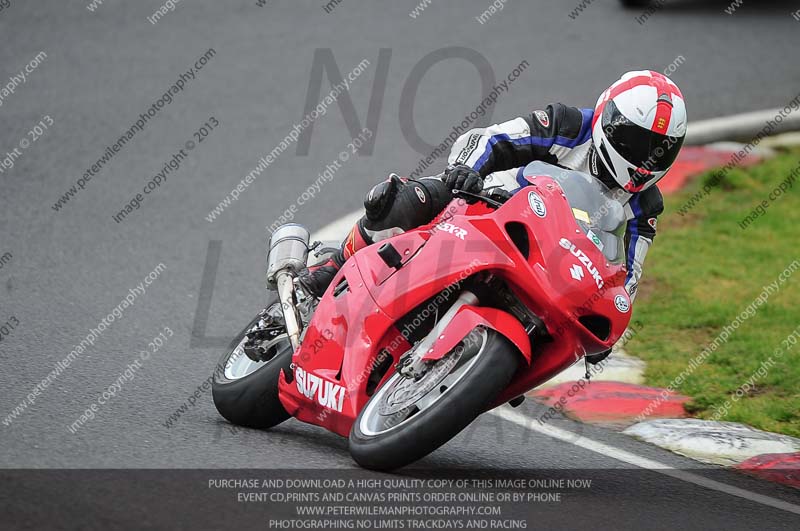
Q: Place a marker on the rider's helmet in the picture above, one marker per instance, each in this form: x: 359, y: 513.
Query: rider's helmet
x: 638, y: 128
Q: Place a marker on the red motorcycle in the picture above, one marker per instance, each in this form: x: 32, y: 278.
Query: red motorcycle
x: 419, y: 334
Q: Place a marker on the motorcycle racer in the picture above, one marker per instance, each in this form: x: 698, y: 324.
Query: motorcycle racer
x: 628, y: 141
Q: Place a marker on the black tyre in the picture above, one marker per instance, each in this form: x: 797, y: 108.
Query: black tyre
x: 405, y: 419
x: 246, y: 392
x: 635, y: 3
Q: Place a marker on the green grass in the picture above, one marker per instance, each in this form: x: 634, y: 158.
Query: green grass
x: 702, y: 271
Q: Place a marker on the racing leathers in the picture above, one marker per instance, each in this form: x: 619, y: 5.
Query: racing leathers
x: 562, y: 136
x: 558, y: 135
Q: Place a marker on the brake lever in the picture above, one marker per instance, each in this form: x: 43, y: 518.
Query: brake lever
x: 478, y: 197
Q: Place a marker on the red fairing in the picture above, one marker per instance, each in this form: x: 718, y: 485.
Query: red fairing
x: 328, y: 388
x: 354, y: 327
x: 470, y: 317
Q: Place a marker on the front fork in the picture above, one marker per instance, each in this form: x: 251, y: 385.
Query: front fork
x: 412, y: 365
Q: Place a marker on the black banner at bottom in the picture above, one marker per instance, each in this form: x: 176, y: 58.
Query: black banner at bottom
x: 411, y: 499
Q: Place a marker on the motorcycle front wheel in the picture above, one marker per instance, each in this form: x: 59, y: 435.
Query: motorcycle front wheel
x: 407, y: 419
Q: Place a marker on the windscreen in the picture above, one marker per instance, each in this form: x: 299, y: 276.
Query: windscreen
x: 599, y: 214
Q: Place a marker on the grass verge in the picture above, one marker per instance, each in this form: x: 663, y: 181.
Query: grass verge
x: 703, y: 271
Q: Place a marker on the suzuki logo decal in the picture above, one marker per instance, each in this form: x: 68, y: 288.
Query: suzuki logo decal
x: 576, y: 271
x: 585, y: 260
x: 326, y: 393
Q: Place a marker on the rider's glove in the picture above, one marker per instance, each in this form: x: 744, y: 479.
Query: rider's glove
x: 464, y: 178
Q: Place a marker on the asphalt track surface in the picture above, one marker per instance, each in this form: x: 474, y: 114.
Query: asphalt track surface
x: 70, y: 268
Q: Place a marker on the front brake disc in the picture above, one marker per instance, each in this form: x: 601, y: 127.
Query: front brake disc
x: 407, y: 391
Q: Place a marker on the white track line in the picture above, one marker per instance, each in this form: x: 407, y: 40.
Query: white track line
x: 641, y: 462
x: 338, y: 229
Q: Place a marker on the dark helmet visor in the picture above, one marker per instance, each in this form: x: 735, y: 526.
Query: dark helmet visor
x: 642, y: 147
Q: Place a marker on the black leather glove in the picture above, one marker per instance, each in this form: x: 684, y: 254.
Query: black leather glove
x: 464, y: 178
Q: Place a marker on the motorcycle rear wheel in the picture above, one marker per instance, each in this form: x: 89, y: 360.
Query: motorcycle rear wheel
x: 245, y: 392
x: 406, y: 420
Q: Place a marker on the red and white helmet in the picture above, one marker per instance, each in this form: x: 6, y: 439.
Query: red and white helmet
x: 639, y: 127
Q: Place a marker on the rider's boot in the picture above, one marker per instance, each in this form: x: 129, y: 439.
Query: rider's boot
x: 316, y: 279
